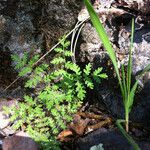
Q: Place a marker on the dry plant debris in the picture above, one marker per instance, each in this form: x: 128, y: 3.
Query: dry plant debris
x: 83, y: 123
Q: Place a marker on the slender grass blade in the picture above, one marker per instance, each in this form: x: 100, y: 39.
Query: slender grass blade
x: 129, y: 68
x: 124, y: 85
x: 146, y: 69
x: 128, y: 137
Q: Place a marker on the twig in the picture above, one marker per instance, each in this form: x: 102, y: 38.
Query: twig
x: 90, y: 115
x: 72, y: 40
x: 75, y: 43
x: 11, y: 84
x: 99, y: 125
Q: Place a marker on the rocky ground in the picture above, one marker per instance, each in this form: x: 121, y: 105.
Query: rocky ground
x: 23, y: 27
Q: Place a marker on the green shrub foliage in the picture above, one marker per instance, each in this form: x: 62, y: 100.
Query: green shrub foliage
x: 59, y: 90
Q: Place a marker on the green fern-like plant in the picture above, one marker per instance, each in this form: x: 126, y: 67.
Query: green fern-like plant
x: 59, y: 90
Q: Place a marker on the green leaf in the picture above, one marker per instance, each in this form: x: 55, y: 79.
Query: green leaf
x: 129, y: 67
x: 58, y: 50
x: 28, y: 99
x: 67, y: 44
x: 62, y: 41
x: 25, y: 71
x: 54, y: 112
x: 89, y: 82
x: 97, y: 75
x: 87, y: 69
x: 73, y: 67
x: 80, y: 90
x: 15, y: 58
x: 68, y: 53
x: 124, y: 84
x: 21, y: 62
x: 55, y: 131
x: 131, y: 96
x: 126, y: 135
x: 33, y: 60
x: 97, y: 71
x: 103, y: 75
x: 32, y: 82
x: 58, y: 60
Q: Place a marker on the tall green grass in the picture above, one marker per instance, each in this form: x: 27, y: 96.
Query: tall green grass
x: 127, y: 91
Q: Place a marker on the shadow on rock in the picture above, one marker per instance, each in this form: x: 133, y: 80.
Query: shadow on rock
x: 111, y: 140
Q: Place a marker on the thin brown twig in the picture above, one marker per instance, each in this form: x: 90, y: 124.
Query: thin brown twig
x: 90, y: 115
x: 100, y: 124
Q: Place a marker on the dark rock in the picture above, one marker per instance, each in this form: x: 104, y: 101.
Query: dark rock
x: 111, y: 140
x: 59, y: 17
x: 36, y: 21
x: 8, y: 7
x: 112, y: 100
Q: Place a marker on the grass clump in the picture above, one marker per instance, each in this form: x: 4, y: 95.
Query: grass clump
x: 127, y: 91
x: 58, y: 91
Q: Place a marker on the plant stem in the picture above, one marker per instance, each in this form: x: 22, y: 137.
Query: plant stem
x: 126, y: 135
x: 127, y: 121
